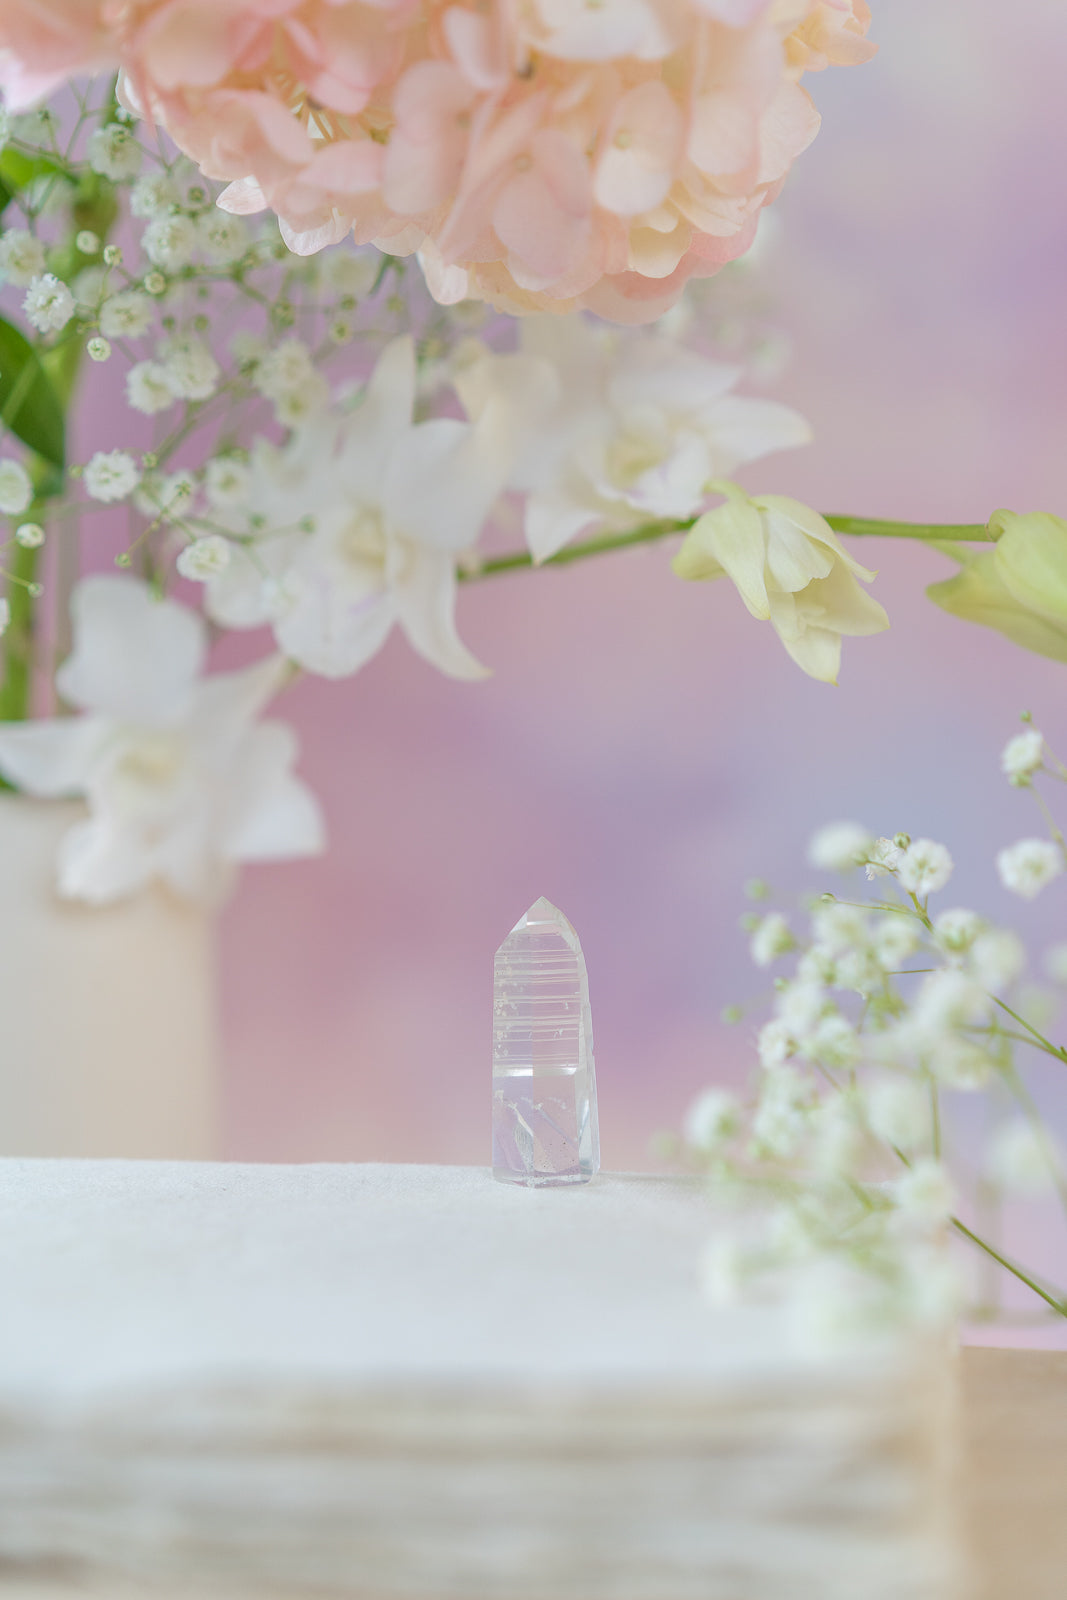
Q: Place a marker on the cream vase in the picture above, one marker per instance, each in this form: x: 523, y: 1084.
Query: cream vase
x: 108, y: 1032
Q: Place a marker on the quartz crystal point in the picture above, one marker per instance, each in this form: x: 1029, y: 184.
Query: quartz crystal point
x: 544, y: 1090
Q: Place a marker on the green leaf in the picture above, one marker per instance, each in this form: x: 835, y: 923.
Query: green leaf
x: 18, y: 169
x: 29, y: 406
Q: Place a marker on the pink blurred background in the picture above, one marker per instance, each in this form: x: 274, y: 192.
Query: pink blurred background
x: 644, y: 746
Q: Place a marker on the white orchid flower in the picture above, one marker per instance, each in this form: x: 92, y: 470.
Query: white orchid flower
x: 609, y: 430
x: 360, y: 522
x: 181, y: 780
x: 789, y: 569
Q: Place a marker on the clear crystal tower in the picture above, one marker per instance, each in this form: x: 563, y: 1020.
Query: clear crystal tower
x: 544, y: 1089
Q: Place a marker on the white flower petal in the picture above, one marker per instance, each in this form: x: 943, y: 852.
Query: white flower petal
x: 426, y: 602
x: 732, y: 535
x: 327, y: 633
x: 227, y: 702
x: 270, y: 815
x: 553, y: 519
x: 50, y: 759
x: 741, y: 430
x: 135, y: 658
x: 443, y: 478
x: 100, y: 862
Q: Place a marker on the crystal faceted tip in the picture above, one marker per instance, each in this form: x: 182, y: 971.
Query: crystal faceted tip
x: 545, y: 1128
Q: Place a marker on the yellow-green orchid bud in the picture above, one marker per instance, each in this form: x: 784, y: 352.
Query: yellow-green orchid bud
x: 1019, y: 587
x: 789, y: 569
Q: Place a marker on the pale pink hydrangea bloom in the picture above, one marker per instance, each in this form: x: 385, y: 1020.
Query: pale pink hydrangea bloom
x: 540, y: 156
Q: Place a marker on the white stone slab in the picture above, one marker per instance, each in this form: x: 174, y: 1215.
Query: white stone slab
x: 388, y: 1382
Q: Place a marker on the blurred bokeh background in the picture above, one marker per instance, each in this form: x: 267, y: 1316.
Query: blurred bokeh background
x: 644, y: 746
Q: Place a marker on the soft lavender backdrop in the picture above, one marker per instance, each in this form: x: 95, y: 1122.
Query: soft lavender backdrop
x: 644, y: 746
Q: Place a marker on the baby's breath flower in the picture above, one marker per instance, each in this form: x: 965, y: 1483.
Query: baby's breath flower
x: 87, y: 242
x: 836, y: 927
x: 884, y: 857
x: 771, y: 939
x: 786, y: 1097
x: 833, y: 1042
x: 155, y: 283
x: 1024, y: 1159
x: 30, y: 535
x: 898, y: 1111
x: 153, y: 195
x: 858, y: 970
x: 49, y: 304
x: 114, y: 152
x: 895, y: 938
x: 1029, y: 866
x: 16, y: 490
x: 248, y: 348
x: 284, y: 369
x: 98, y: 350
x: 997, y: 958
x: 177, y: 491
x: 148, y: 388
x: 299, y: 405
x: 169, y: 242
x: 838, y: 1138
x: 223, y: 238
x: 956, y: 930
x: 1022, y: 757
x: 204, y: 558
x: 774, y: 1044
x: 712, y: 1120
x: 111, y: 475
x: 112, y: 255
x: 924, y: 868
x: 192, y: 371
x: 799, y: 1006
x: 962, y: 1064
x: 126, y: 315
x: 21, y: 257
x: 227, y: 482
x: 349, y: 272
x: 840, y: 846
x: 925, y: 1195
x: 947, y: 999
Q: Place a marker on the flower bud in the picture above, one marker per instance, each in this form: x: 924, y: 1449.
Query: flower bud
x: 1019, y: 587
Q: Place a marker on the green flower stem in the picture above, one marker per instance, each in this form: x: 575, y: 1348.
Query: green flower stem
x: 95, y: 208
x: 1034, y: 1038
x: 516, y: 560
x: 652, y: 532
x: 1052, y: 1298
x: 928, y: 532
x: 18, y: 641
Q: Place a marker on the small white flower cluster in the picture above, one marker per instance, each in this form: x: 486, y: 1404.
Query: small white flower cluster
x: 890, y: 1012
x: 1030, y: 865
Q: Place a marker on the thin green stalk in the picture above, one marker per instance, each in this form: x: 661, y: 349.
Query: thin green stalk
x: 1037, y: 1039
x: 930, y: 532
x: 651, y: 532
x: 18, y: 641
x: 1052, y: 1298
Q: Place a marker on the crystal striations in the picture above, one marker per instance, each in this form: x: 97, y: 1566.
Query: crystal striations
x: 544, y: 1089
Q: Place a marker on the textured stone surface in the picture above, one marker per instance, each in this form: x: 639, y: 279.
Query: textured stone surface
x: 544, y: 1088
x: 412, y: 1383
